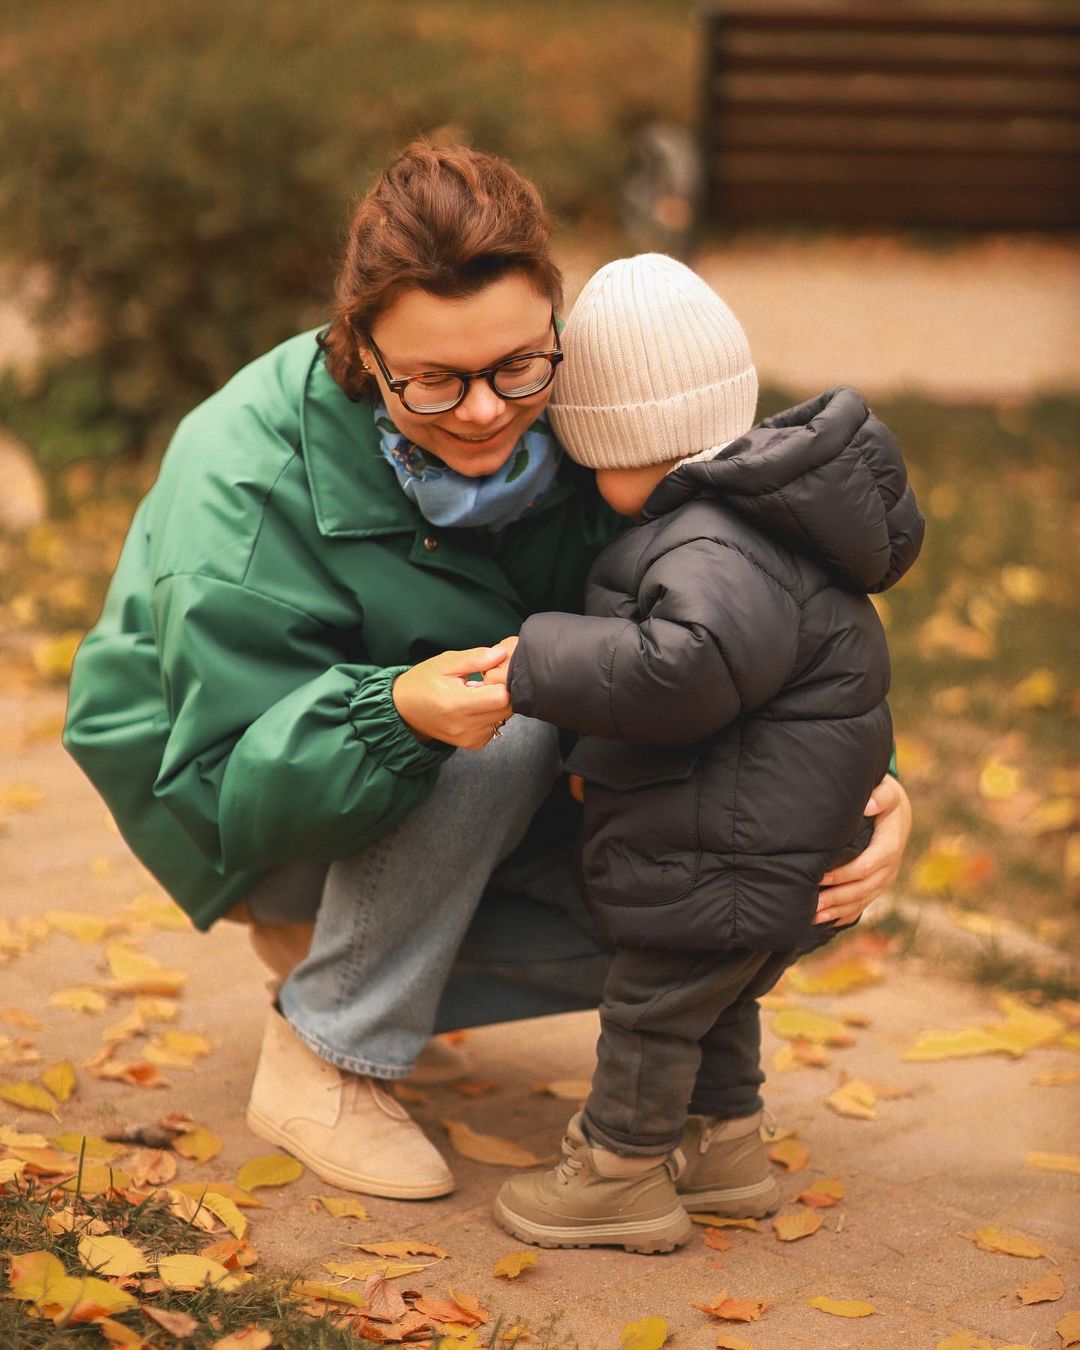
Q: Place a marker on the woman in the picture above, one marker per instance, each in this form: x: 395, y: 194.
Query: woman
x: 293, y: 647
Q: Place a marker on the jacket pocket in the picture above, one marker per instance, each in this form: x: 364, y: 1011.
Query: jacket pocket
x: 641, y: 843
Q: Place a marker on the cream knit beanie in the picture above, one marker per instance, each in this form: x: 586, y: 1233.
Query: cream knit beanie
x: 657, y: 367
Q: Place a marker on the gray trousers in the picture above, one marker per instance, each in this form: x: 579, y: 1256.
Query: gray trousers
x: 679, y: 1032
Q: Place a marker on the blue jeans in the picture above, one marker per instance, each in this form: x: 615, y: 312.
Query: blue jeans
x: 468, y: 912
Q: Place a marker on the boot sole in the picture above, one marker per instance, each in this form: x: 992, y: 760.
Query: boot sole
x: 338, y: 1176
x: 735, y: 1202
x: 649, y: 1237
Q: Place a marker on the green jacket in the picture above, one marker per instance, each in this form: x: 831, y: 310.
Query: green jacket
x: 233, y: 703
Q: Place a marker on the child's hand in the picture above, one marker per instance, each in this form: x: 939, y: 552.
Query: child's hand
x: 498, y: 674
x: 576, y: 786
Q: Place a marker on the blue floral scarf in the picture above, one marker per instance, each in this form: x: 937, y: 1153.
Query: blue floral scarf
x: 448, y: 498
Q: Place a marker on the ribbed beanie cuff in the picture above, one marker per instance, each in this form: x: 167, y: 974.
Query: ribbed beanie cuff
x: 657, y: 368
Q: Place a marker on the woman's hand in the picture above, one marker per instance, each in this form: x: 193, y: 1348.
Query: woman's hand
x: 499, y: 674
x: 849, y: 889
x: 437, y: 702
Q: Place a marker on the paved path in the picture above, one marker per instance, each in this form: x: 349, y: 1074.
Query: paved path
x: 931, y: 1169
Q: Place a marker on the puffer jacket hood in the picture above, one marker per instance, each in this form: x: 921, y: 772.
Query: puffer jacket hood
x: 826, y: 477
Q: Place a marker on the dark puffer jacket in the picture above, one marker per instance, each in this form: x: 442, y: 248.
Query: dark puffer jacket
x: 730, y: 675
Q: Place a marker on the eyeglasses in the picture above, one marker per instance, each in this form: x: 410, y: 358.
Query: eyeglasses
x: 437, y: 391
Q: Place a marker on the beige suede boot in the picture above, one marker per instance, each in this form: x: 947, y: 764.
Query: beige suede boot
x: 346, y: 1128
x: 595, y: 1198
x: 722, y: 1168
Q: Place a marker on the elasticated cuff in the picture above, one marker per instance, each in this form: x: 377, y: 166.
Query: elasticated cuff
x: 377, y: 722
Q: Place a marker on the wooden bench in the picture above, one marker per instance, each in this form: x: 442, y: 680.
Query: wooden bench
x: 892, y: 113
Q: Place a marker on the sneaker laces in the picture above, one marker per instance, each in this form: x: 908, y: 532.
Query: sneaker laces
x: 569, y: 1166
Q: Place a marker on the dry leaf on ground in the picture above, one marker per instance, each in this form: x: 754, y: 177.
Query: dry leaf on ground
x: 342, y: 1207
x: 842, y: 1307
x: 511, y: 1265
x: 233, y: 1253
x: 363, y: 1270
x: 21, y: 1019
x: 177, y: 1324
x: 193, y: 1272
x: 1056, y: 1078
x: 151, y: 1166
x: 224, y: 1209
x: 1069, y: 1330
x: 724, y: 1341
x: 855, y: 1098
x: 823, y: 1193
x: 714, y: 1238
x: 648, y: 1333
x: 382, y: 1301
x: 734, y: 1309
x: 802, y: 1024
x: 199, y: 1145
x: 1006, y: 1243
x: 112, y: 1255
x: 404, y: 1247
x: 799, y: 1224
x: 118, y: 1333
x: 1054, y: 1162
x: 195, y: 1189
x: 964, y: 1340
x: 834, y: 977
x: 1046, y: 1289
x: 30, y: 1097
x: 718, y: 1221
x: 60, y: 1079
x: 488, y: 1148
x: 791, y: 1154
x: 273, y: 1169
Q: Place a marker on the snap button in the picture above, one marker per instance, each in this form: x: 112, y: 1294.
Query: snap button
x: 431, y: 543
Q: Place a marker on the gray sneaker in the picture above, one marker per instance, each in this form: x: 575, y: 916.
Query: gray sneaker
x: 595, y: 1198
x: 722, y: 1168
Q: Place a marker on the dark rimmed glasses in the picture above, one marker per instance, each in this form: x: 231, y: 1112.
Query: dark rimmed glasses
x: 437, y: 391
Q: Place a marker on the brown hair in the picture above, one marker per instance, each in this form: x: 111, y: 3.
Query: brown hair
x: 443, y: 219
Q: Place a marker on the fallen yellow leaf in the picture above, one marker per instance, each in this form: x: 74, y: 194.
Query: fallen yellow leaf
x: 510, y: 1266
x: 78, y: 924
x: 934, y: 1045
x: 725, y: 1341
x: 274, y: 1169
x: 199, y: 1144
x: 1069, y: 1330
x: 799, y: 1224
x: 1055, y: 1162
x: 135, y: 972
x: 30, y: 1097
x: 194, y: 1272
x: 823, y: 1193
x: 838, y: 977
x: 241, y: 1198
x: 649, y: 1333
x: 488, y: 1148
x: 79, y: 998
x: 406, y: 1247
x: 341, y: 1207
x: 21, y: 1018
x: 842, y: 1307
x: 226, y: 1211
x: 1057, y: 1078
x: 112, y: 1256
x: 10, y: 1170
x: 964, y: 1340
x: 791, y: 1154
x: 20, y: 797
x: 800, y: 1024
x: 118, y: 1333
x: 363, y: 1270
x: 1046, y: 1289
x: 333, y: 1293
x: 854, y: 1098
x: 60, y: 1079
x: 75, y: 1143
x: 1009, y: 1244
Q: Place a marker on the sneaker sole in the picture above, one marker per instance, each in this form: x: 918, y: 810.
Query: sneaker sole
x: 649, y: 1237
x: 338, y: 1176
x: 737, y: 1202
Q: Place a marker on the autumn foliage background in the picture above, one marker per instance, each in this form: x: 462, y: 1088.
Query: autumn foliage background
x: 175, y: 208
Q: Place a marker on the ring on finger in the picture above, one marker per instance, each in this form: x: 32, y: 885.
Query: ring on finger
x: 496, y: 729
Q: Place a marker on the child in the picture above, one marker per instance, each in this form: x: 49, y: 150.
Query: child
x: 729, y: 677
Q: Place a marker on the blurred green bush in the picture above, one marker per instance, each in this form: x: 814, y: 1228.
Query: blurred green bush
x: 180, y: 174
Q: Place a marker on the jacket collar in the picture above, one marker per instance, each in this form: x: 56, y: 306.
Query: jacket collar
x: 353, y: 488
